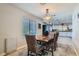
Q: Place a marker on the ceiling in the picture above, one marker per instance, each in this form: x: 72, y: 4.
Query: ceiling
x: 63, y: 11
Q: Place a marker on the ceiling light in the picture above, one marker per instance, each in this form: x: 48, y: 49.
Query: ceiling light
x: 47, y: 16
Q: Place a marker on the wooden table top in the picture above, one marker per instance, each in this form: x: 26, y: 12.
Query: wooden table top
x: 42, y: 38
x: 45, y: 38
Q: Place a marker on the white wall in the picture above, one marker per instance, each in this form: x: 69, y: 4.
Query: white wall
x: 75, y: 28
x: 11, y: 24
x: 39, y: 31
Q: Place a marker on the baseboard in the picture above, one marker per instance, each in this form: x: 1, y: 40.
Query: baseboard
x: 76, y: 49
x: 21, y: 47
x: 2, y: 54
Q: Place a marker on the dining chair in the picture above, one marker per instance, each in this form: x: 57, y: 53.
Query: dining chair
x: 50, y: 45
x: 32, y: 45
x: 55, y: 40
x: 51, y: 42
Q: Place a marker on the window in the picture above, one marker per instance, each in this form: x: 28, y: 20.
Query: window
x: 29, y: 27
x: 25, y: 26
x: 32, y: 29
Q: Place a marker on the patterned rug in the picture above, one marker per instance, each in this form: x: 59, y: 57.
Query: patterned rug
x: 63, y: 50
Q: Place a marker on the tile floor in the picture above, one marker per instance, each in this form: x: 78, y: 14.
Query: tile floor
x: 64, y: 48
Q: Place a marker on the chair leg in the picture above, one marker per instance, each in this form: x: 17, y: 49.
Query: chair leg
x: 55, y: 46
x: 28, y: 52
x: 52, y: 53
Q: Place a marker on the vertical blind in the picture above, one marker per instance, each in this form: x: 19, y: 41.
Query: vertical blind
x: 29, y: 26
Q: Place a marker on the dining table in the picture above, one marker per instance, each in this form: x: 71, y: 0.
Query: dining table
x: 45, y: 40
x: 42, y: 38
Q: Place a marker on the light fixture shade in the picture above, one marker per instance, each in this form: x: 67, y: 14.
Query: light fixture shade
x: 47, y: 16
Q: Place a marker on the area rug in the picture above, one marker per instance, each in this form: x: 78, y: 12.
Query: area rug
x: 63, y: 50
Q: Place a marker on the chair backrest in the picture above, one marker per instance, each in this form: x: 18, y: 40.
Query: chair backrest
x: 56, y: 36
x: 31, y: 43
x: 51, y: 35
